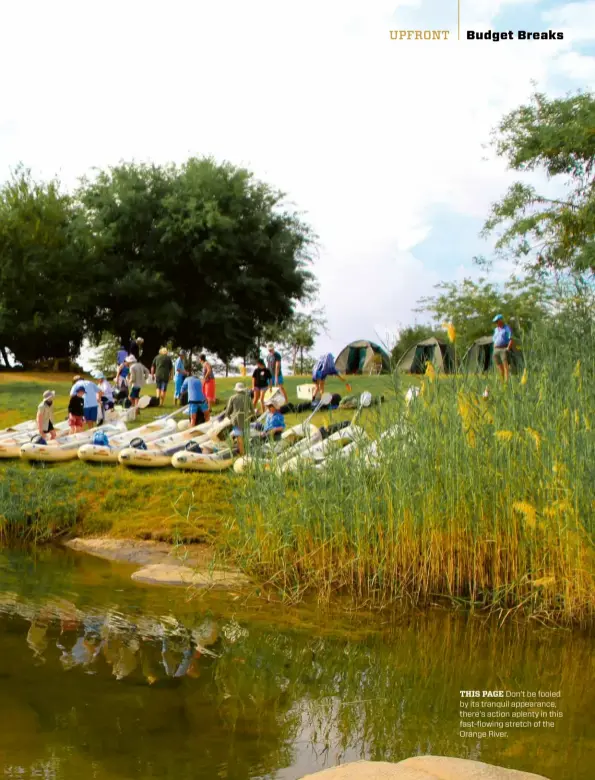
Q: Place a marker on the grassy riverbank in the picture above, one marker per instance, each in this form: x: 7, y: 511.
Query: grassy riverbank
x: 488, y: 502
x: 41, y: 501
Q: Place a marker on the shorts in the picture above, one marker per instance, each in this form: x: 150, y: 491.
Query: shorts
x: 260, y: 388
x: 75, y: 421
x: 208, y: 389
x: 198, y: 408
x: 318, y: 376
x: 90, y: 413
x: 135, y: 392
x: 49, y: 428
x: 162, y: 386
x: 279, y: 381
x: 501, y: 356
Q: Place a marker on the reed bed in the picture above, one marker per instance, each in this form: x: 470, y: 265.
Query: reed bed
x: 487, y: 502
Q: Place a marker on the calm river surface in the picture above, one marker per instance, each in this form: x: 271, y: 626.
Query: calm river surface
x: 107, y: 679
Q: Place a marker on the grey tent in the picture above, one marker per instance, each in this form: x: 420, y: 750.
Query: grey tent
x: 480, y: 356
x: 362, y: 357
x: 434, y: 351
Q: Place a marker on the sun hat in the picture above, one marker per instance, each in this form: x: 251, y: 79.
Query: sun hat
x: 239, y: 387
x: 130, y: 359
x: 163, y: 351
x: 498, y: 317
x: 99, y: 375
x: 48, y: 394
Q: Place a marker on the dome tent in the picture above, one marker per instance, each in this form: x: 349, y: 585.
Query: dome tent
x: 479, y: 358
x: 362, y: 357
x: 434, y: 351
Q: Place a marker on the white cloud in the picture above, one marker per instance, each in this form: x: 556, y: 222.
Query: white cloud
x: 366, y: 134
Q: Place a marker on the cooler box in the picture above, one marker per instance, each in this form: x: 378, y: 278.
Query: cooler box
x: 274, y: 396
x: 305, y: 392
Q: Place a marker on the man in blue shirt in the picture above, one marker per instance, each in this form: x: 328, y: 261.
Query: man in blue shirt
x: 199, y: 408
x: 274, y: 423
x: 502, y: 345
x: 91, y: 401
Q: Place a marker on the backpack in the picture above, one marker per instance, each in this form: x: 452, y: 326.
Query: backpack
x: 38, y: 439
x: 153, y: 402
x: 100, y: 439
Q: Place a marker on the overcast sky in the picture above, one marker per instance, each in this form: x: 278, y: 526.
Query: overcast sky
x: 378, y: 142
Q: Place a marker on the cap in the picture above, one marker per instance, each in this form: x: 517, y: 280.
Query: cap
x: 79, y: 389
x: 498, y: 317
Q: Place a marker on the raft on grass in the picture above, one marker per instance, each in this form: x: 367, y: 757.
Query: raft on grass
x: 158, y: 454
x: 66, y: 448
x: 98, y: 453
x: 189, y: 460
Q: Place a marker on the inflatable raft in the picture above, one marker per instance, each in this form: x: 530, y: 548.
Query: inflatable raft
x: 159, y: 453
x: 293, y: 441
x: 152, y: 431
x: 10, y: 445
x: 66, y: 448
x: 317, y: 452
x: 220, y: 460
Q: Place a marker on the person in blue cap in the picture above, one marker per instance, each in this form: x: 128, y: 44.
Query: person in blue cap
x: 502, y: 339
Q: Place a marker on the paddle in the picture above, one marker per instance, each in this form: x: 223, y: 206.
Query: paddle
x: 325, y: 400
x: 173, y: 414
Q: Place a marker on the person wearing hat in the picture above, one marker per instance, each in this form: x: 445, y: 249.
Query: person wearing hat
x: 107, y: 392
x: 137, y: 378
x: 91, y: 400
x: 45, y: 415
x: 502, y: 339
x: 180, y: 373
x: 274, y: 366
x: 76, y: 409
x: 199, y: 408
x: 274, y: 422
x: 239, y: 410
x: 162, y: 368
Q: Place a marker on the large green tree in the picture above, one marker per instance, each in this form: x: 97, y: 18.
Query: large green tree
x: 202, y: 255
x: 45, y: 279
x: 471, y: 305
x: 555, y: 137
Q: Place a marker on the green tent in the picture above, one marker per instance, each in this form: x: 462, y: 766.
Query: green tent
x: 362, y: 357
x: 434, y: 351
x: 479, y: 358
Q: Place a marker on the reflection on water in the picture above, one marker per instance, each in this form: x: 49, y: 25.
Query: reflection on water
x: 103, y: 678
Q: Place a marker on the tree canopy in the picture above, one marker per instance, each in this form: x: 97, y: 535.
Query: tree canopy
x: 45, y: 300
x: 471, y: 305
x: 201, y: 254
x: 556, y: 137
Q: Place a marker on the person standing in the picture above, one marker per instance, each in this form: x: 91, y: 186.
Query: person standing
x: 502, y: 339
x: 135, y: 347
x: 208, y: 381
x: 325, y: 367
x: 76, y: 410
x: 121, y: 355
x: 162, y: 369
x: 180, y: 374
x: 274, y: 366
x: 239, y: 411
x: 45, y: 415
x: 137, y: 378
x: 91, y: 399
x: 199, y: 408
x: 261, y: 377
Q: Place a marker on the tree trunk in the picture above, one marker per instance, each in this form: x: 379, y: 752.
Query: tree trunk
x: 301, y: 360
x: 4, y: 356
x: 226, y: 369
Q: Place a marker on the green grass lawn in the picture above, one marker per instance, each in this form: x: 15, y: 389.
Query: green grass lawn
x: 44, y: 499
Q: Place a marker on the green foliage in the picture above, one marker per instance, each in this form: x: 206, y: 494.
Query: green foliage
x: 45, y: 281
x: 297, y: 337
x: 200, y: 254
x: 556, y: 137
x: 412, y: 335
x: 470, y: 306
x: 105, y: 356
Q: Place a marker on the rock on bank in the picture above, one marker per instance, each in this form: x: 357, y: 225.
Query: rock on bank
x: 422, y: 768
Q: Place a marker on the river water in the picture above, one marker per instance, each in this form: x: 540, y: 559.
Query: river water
x: 104, y: 678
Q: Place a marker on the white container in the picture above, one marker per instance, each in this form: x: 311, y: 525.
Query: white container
x: 306, y: 392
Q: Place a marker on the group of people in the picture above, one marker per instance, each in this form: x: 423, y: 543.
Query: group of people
x: 87, y: 404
